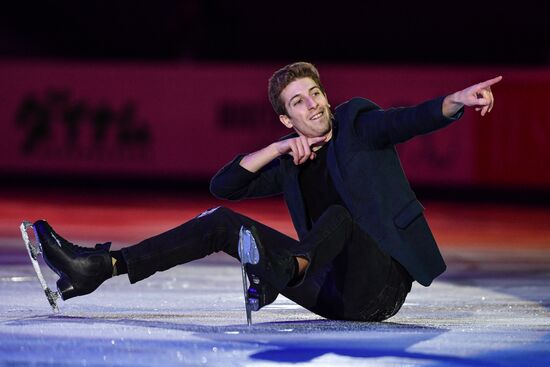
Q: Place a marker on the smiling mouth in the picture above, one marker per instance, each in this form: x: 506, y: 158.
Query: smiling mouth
x: 316, y: 116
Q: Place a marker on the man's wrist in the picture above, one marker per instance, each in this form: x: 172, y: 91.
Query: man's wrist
x: 256, y: 160
x: 451, y: 105
x: 275, y: 148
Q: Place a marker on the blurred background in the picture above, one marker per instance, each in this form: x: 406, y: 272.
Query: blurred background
x: 122, y: 98
x: 389, y: 32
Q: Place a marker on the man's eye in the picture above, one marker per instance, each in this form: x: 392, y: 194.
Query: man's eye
x: 316, y: 93
x: 297, y: 102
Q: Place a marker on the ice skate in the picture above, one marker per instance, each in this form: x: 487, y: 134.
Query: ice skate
x: 258, y: 291
x: 34, y: 250
x: 81, y: 269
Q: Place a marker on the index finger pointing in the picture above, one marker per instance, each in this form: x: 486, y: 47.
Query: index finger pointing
x: 489, y: 82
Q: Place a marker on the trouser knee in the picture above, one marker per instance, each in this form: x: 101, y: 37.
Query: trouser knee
x: 336, y: 221
x: 219, y: 214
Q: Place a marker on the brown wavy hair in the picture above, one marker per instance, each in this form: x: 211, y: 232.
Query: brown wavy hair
x: 286, y: 75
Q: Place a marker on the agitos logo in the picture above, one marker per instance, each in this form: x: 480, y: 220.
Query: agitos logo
x: 58, y: 125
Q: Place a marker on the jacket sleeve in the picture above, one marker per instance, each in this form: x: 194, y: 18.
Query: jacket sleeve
x: 397, y: 125
x: 234, y: 182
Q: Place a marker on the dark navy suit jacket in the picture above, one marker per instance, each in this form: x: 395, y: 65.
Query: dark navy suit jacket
x: 364, y: 165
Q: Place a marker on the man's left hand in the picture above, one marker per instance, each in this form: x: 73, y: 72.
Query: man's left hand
x: 478, y: 95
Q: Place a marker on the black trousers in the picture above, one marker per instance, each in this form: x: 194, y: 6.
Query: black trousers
x: 348, y: 277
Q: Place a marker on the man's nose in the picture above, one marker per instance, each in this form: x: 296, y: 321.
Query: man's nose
x: 311, y: 103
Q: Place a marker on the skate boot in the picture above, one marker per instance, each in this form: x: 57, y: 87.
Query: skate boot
x: 264, y: 273
x: 81, y: 269
x: 257, y: 294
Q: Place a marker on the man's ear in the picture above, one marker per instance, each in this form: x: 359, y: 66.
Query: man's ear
x: 286, y: 121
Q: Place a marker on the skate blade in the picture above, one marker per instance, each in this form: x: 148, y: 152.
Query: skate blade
x: 248, y: 253
x: 34, y: 249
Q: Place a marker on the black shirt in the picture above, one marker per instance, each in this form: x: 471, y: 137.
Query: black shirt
x: 317, y: 186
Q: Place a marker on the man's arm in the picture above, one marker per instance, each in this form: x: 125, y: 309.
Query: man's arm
x: 253, y: 162
x: 478, y: 95
x: 258, y: 174
x: 380, y: 128
x: 397, y: 125
x: 234, y: 182
x: 299, y: 148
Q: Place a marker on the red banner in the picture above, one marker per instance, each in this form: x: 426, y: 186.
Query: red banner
x: 186, y: 121
x: 513, y: 143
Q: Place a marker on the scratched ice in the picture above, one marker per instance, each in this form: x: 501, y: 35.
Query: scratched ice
x: 489, y: 309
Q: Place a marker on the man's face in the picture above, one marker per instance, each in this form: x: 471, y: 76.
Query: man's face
x: 308, y: 111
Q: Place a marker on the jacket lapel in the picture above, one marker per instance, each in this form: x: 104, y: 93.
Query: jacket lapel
x: 334, y: 168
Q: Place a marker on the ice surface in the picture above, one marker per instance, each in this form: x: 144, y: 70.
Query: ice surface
x: 489, y: 309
